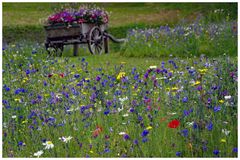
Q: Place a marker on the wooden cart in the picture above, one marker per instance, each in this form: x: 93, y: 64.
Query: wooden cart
x: 95, y: 36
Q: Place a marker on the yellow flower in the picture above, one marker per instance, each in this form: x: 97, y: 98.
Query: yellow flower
x: 91, y: 151
x: 203, y: 71
x: 149, y: 127
x: 196, y: 83
x: 24, y: 121
x: 174, y: 89
x: 106, y: 93
x: 120, y: 75
x: 46, y: 95
x: 223, y: 141
x: 221, y: 101
x: 153, y: 67
x: 17, y: 99
x: 123, y: 62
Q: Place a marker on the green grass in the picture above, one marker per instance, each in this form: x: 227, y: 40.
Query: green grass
x: 162, y: 141
x: 25, y: 20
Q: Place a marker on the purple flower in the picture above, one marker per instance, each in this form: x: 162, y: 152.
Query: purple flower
x: 107, y: 112
x: 144, y: 140
x: 126, y: 136
x: 98, y: 78
x: 144, y: 133
x: 178, y: 154
x: 210, y: 126
x: 217, y: 108
x: 216, y: 152
x: 185, y: 99
x: 235, y: 150
x: 135, y: 142
x: 76, y: 75
x: 184, y: 132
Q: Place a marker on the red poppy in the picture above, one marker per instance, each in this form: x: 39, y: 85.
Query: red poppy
x: 61, y: 75
x: 50, y: 75
x: 97, y: 131
x: 174, y: 123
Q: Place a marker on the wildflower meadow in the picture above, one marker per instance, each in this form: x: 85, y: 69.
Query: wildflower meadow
x: 167, y: 92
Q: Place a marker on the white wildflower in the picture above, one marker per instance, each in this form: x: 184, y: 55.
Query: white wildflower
x: 48, y: 145
x: 122, y: 133
x: 125, y: 115
x: 120, y: 109
x: 226, y: 132
x: 190, y: 124
x: 227, y: 97
x: 38, y: 153
x: 173, y: 113
x: 14, y: 116
x: 153, y: 67
x: 66, y: 139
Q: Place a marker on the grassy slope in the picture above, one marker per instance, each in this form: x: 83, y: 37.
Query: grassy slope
x: 25, y: 20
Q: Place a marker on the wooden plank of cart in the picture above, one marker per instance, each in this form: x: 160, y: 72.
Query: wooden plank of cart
x: 94, y: 35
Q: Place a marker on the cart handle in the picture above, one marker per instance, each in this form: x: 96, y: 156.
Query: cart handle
x: 112, y: 38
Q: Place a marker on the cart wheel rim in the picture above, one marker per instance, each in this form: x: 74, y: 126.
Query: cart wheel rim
x: 95, y: 41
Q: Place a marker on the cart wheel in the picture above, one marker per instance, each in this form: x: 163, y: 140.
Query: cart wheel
x: 95, y: 40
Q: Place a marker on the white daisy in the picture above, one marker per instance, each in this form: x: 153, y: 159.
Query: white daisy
x: 122, y: 133
x: 38, y: 153
x: 227, y: 97
x: 48, y: 145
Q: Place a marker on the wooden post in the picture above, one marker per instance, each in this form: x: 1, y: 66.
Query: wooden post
x: 75, y: 49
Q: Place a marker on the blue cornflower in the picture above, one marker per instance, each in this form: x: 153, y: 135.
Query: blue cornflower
x: 144, y: 133
x: 28, y: 71
x: 145, y: 139
x: 7, y: 89
x: 178, y: 154
x: 20, y: 143
x: 184, y: 132
x: 204, y: 148
x: 109, y: 103
x: 216, y: 152
x: 107, y: 112
x: 195, y: 126
x: 210, y: 126
x: 83, y: 59
x: 131, y: 110
x: 34, y: 52
x: 98, y: 78
x: 76, y: 75
x: 186, y: 113
x: 185, y: 99
x: 135, y: 142
x: 106, y: 150
x: 216, y: 108
x: 126, y: 136
x: 17, y: 91
x: 140, y: 118
x: 235, y: 150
